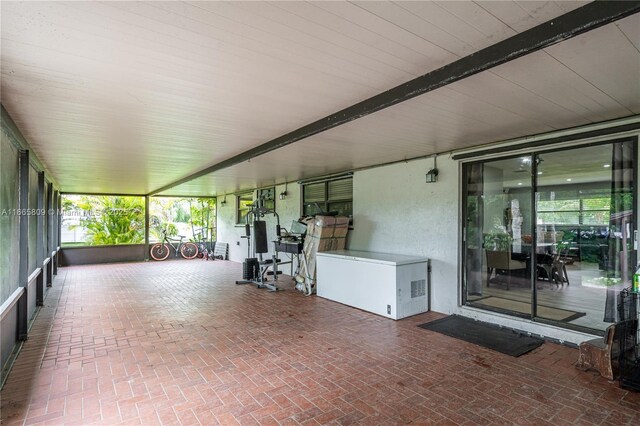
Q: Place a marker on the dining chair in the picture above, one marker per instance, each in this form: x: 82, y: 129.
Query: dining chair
x: 501, y: 261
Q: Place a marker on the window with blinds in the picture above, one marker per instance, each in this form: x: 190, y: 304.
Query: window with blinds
x: 243, y: 205
x: 578, y: 211
x: 334, y: 196
x: 268, y: 197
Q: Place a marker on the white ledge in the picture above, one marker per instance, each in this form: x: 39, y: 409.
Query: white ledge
x: 8, y: 304
x: 34, y: 275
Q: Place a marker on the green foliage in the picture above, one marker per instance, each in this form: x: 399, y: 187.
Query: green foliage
x: 605, y: 281
x: 156, y: 227
x: 112, y: 220
x: 162, y: 213
x: 109, y: 220
x: 176, y: 214
x: 67, y: 203
x: 497, y: 241
x: 562, y: 246
x: 203, y: 216
x: 182, y: 215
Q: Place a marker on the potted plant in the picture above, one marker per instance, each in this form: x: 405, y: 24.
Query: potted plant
x: 497, y: 241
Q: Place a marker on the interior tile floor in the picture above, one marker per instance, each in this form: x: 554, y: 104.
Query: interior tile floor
x: 177, y: 342
x: 576, y: 296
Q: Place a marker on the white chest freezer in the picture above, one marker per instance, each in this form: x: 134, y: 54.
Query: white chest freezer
x: 394, y: 286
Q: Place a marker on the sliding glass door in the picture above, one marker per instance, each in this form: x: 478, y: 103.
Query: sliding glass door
x: 498, y: 235
x: 550, y: 235
x: 585, y: 211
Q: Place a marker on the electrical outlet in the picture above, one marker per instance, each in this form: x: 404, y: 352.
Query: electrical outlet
x: 389, y: 309
x: 237, y: 243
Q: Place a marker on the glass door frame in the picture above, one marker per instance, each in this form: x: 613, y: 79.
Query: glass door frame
x: 533, y: 154
x: 463, y: 255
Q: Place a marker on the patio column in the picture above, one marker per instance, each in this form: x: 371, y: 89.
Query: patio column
x: 146, y: 227
x: 23, y: 271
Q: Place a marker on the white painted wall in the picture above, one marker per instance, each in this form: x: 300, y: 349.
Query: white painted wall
x: 396, y: 211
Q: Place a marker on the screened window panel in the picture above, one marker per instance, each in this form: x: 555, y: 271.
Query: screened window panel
x: 45, y: 236
x: 328, y: 196
x: 33, y: 219
x: 267, y: 193
x: 98, y: 220
x: 56, y: 218
x: 9, y: 222
x: 242, y: 216
x: 244, y: 202
x: 268, y: 196
x: 340, y: 189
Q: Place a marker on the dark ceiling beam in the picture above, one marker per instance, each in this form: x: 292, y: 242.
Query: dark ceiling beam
x: 571, y: 24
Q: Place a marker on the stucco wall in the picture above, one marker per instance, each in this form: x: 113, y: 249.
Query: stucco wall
x: 396, y: 211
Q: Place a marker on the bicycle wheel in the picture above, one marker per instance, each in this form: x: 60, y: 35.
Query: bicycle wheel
x: 201, y: 249
x: 159, y: 251
x: 189, y: 250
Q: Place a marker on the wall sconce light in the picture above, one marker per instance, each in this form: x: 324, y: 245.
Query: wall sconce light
x: 284, y: 193
x: 432, y: 175
x: 224, y: 202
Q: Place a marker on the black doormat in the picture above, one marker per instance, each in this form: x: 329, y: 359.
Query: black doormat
x: 489, y: 336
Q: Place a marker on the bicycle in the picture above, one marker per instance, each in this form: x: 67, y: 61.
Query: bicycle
x: 161, y: 250
x: 203, y: 250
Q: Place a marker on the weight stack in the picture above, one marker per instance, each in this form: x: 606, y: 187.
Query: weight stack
x: 249, y: 268
x: 260, y: 236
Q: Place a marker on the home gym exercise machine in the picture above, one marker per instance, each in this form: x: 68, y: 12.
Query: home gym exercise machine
x: 255, y: 269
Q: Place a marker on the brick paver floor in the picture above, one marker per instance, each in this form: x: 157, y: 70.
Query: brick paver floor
x: 177, y: 342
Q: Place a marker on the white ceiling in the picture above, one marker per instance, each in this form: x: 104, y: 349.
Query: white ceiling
x: 588, y: 165
x: 126, y: 97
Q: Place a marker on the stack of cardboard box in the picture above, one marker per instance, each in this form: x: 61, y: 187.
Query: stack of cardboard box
x: 324, y: 233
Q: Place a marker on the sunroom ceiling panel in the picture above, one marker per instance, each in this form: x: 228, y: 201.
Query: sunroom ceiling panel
x: 631, y: 29
x: 135, y: 95
x: 608, y: 59
x: 531, y: 95
x: 521, y: 15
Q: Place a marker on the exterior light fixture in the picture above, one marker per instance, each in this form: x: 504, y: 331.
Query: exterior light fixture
x: 284, y: 193
x: 432, y: 175
x: 224, y: 202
